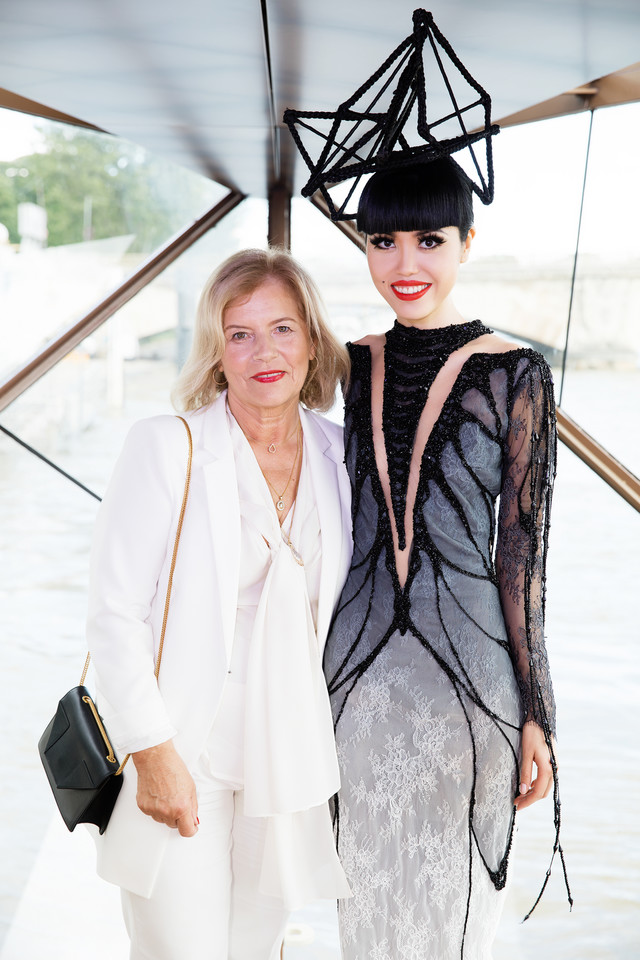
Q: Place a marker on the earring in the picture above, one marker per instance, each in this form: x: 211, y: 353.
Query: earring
x: 219, y: 383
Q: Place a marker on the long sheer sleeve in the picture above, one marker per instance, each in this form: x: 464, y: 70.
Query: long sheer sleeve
x: 523, y: 526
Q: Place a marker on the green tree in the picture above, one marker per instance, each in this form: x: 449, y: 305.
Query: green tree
x: 127, y: 190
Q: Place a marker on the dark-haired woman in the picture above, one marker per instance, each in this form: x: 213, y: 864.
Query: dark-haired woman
x: 436, y: 663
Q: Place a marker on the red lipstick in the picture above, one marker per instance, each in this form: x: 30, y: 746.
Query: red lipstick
x: 268, y: 376
x: 409, y: 291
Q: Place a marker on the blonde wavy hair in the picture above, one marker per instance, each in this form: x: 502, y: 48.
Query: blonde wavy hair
x: 238, y: 277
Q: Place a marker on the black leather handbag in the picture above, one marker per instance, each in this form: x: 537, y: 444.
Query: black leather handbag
x: 75, y: 750
x: 83, y: 771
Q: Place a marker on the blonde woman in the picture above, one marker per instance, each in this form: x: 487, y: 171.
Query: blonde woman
x: 222, y: 826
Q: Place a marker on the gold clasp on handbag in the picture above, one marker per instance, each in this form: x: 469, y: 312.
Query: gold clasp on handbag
x: 111, y: 757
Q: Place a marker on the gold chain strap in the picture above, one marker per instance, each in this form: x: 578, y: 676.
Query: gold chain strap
x: 175, y: 547
x: 176, y: 542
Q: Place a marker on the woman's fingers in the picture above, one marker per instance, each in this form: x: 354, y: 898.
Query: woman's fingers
x: 526, y: 774
x: 539, y: 789
x: 187, y: 826
x: 534, y: 752
x: 166, y: 791
x: 526, y: 768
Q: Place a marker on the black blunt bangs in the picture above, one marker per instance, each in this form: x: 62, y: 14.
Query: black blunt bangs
x: 422, y: 196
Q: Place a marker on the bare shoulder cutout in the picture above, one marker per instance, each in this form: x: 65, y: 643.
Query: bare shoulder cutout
x: 371, y: 340
x: 436, y: 398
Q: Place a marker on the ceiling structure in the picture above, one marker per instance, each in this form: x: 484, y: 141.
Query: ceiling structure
x: 204, y: 83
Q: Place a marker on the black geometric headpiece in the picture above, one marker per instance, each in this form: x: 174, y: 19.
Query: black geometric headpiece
x: 388, y: 123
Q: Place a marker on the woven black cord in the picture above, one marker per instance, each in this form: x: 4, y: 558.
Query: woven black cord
x: 290, y: 116
x: 458, y: 112
x: 368, y: 113
x: 343, y: 156
x: 50, y: 463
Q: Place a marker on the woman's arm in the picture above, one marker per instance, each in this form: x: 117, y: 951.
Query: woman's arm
x: 521, y: 552
x: 133, y: 532
x: 131, y: 538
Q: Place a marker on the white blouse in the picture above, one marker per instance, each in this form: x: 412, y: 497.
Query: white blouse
x: 260, y: 533
x: 274, y: 715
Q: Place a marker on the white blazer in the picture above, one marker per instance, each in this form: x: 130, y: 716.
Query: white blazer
x: 131, y: 555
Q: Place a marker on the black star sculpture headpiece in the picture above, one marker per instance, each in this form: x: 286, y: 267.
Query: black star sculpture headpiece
x: 379, y: 135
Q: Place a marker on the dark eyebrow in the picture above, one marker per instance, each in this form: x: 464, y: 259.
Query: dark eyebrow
x: 414, y: 233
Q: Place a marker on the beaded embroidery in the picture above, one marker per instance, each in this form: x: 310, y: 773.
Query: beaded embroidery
x: 481, y: 518
x: 412, y: 359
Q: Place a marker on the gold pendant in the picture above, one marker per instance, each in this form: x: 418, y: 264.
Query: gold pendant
x: 280, y: 504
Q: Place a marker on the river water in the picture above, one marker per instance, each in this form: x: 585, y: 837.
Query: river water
x: 50, y: 904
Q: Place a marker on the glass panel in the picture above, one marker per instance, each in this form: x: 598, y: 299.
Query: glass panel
x: 340, y: 269
x: 518, y: 277
x: 602, y: 382
x: 78, y: 415
x: 79, y: 211
x: 126, y: 368
x: 591, y: 630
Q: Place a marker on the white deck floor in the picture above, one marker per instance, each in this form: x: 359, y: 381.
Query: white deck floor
x: 67, y: 913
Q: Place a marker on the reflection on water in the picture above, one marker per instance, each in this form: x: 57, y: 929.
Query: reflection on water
x: 593, y: 634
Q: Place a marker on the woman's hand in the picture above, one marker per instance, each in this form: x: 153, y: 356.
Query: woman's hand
x: 534, y: 750
x: 166, y: 791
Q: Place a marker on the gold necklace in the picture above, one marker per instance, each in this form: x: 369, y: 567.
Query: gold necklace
x: 280, y: 496
x: 272, y: 448
x: 285, y: 536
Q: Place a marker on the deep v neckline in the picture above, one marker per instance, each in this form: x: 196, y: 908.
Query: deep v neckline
x: 437, y: 393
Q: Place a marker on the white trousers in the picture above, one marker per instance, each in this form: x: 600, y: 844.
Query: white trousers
x: 206, y: 904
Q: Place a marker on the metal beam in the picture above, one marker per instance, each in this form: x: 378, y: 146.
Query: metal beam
x: 348, y: 227
x: 619, y: 478
x: 600, y: 460
x: 56, y: 349
x: 617, y: 88
x: 13, y: 101
x: 279, y: 228
x: 273, y: 116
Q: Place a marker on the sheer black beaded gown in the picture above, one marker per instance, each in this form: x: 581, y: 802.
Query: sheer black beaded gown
x: 436, y: 657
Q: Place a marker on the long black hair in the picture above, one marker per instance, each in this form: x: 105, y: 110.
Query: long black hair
x: 422, y: 196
